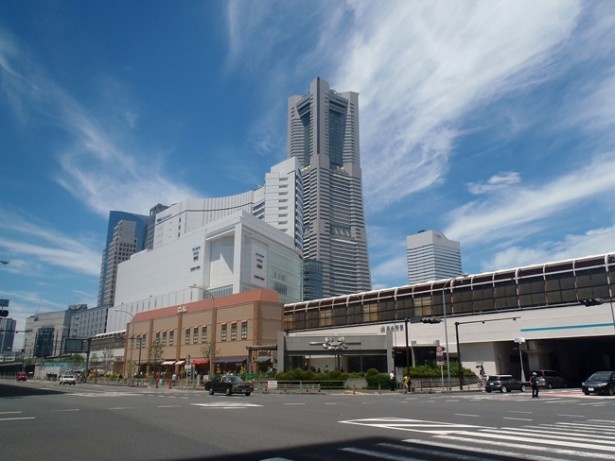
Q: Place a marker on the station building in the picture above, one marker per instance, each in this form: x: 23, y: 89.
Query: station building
x: 549, y: 316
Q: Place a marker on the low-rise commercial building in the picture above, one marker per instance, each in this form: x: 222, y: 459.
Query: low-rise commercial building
x: 231, y: 333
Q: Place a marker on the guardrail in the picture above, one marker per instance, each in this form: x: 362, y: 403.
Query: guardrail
x: 272, y: 385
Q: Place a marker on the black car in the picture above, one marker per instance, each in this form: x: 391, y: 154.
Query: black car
x: 550, y: 379
x: 504, y: 383
x: 229, y: 385
x: 600, y: 382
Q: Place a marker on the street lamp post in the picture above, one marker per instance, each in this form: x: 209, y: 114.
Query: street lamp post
x: 459, y: 347
x: 519, y: 340
x: 407, y: 345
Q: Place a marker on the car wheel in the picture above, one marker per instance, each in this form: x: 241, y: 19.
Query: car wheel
x: 549, y: 385
x: 211, y: 391
x: 522, y: 388
x: 585, y: 392
x: 247, y: 394
x: 503, y: 389
x: 611, y: 392
x: 228, y: 391
x: 488, y: 391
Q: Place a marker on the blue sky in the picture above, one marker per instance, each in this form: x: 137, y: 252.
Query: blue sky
x: 492, y: 121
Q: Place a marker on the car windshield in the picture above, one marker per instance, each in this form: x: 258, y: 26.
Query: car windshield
x: 600, y: 375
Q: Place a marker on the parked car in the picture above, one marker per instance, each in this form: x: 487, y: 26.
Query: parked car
x: 600, y: 382
x: 550, y: 379
x: 504, y: 383
x: 229, y: 385
x: 22, y: 376
x: 68, y: 379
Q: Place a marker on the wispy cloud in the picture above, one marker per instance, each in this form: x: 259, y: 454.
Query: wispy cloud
x: 593, y: 242
x: 37, y: 242
x: 431, y: 66
x: 99, y: 165
x: 502, y: 215
x: 496, y: 182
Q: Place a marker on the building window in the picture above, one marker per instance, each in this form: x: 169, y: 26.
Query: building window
x: 195, y: 335
x: 244, y: 329
x: 164, y: 338
x: 203, y: 335
x: 223, y: 332
x: 171, y: 337
x: 187, y: 336
x: 233, y: 331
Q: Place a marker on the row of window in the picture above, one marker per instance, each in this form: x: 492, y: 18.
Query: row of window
x: 193, y: 335
x: 551, y: 290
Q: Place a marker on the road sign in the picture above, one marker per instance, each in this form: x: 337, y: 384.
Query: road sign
x: 440, y: 354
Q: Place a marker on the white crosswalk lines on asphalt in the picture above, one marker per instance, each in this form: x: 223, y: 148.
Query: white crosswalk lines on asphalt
x: 103, y: 394
x: 414, y: 425
x: 583, y: 440
x: 558, y: 441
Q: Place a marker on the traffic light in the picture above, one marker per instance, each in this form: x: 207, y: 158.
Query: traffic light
x: 430, y: 320
x: 4, y: 313
x: 591, y: 302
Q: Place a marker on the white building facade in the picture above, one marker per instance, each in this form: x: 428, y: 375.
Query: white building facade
x: 234, y: 254
x: 278, y: 203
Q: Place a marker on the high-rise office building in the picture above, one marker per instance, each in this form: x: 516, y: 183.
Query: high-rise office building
x: 122, y: 238
x: 323, y: 134
x: 7, y: 335
x: 431, y: 256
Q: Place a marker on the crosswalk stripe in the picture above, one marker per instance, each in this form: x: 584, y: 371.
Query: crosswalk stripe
x: 564, y: 434
x: 536, y: 438
x: 498, y: 451
x: 378, y: 454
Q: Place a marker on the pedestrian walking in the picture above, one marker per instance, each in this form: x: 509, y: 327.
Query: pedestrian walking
x: 392, y: 381
x: 534, y: 383
x: 406, y: 384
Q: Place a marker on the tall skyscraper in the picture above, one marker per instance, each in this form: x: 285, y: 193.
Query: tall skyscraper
x: 431, y: 256
x: 7, y: 335
x: 123, y: 240
x: 323, y: 134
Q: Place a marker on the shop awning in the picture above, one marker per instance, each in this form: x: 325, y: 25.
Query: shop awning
x: 230, y: 360
x: 168, y: 362
x: 180, y: 362
x: 263, y: 359
x: 199, y: 362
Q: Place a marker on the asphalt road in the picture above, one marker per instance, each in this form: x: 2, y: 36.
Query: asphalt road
x: 40, y: 420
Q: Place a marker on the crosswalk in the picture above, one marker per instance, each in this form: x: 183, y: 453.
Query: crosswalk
x: 559, y: 441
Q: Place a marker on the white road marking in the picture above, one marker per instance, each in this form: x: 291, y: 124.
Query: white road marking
x: 17, y: 418
x: 225, y: 404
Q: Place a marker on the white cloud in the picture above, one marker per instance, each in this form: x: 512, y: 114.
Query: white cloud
x: 502, y: 216
x: 499, y: 181
x: 96, y: 168
x: 593, y: 242
x: 38, y: 243
x: 430, y: 66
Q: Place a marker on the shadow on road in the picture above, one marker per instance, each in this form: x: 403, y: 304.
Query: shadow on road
x: 23, y: 390
x: 368, y: 448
